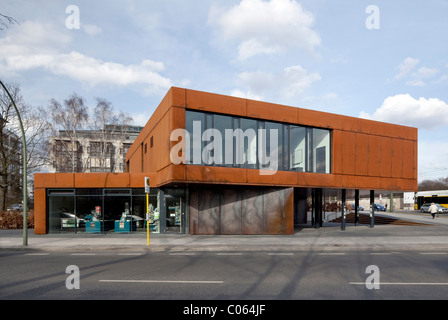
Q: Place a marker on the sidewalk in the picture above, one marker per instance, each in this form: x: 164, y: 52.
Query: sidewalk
x: 330, y: 237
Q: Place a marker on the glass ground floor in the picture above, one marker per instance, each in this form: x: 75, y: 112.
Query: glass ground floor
x: 199, y: 209
x: 125, y: 210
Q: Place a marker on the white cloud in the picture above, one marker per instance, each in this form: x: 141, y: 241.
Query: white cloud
x: 418, y: 78
x: 34, y: 45
x: 404, y: 109
x: 290, y: 82
x: 91, y: 29
x: 247, y: 95
x: 406, y: 66
x: 415, y: 83
x: 263, y: 27
x: 425, y: 72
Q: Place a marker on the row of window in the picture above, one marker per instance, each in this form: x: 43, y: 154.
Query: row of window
x: 221, y: 140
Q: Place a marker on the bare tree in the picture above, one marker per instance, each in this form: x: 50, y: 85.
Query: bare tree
x: 67, y: 120
x: 111, y: 128
x: 434, y: 184
x: 11, y: 159
x: 5, y: 21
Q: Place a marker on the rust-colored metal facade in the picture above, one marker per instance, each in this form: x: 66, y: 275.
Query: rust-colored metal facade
x: 365, y: 154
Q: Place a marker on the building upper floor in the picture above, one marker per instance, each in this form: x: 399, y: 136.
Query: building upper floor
x: 200, y: 137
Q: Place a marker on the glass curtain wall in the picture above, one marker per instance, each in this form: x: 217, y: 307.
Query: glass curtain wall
x: 220, y: 140
x: 98, y: 210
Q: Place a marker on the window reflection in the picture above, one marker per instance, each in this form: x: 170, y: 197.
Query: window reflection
x: 222, y: 140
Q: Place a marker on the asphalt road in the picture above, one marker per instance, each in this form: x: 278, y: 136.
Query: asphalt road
x: 224, y: 275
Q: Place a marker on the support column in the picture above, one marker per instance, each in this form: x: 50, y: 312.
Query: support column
x: 372, y: 209
x: 391, y: 209
x: 356, y: 207
x: 343, y: 223
x: 317, y: 207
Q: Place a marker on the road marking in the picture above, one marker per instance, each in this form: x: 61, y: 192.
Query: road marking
x: 130, y: 254
x: 229, y: 254
x: 380, y: 253
x: 166, y: 281
x: 182, y: 254
x: 280, y: 254
x: 406, y: 283
x: 37, y: 254
x: 331, y: 253
x: 433, y: 253
x: 83, y: 254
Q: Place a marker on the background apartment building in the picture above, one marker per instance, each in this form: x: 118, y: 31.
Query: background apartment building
x: 92, y: 150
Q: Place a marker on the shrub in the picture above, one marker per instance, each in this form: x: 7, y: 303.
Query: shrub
x: 14, y: 219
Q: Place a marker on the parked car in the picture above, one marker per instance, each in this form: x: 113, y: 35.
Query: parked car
x: 425, y: 208
x: 17, y: 206
x: 379, y: 207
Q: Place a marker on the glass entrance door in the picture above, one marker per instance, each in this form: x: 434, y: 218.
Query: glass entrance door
x: 174, y: 214
x: 117, y: 211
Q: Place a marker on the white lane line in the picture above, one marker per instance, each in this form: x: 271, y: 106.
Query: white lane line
x: 130, y: 254
x: 406, y: 283
x: 280, y: 254
x: 380, y: 253
x: 229, y: 254
x: 83, y: 254
x: 433, y: 253
x: 37, y: 254
x: 183, y: 254
x: 166, y: 281
x: 331, y: 253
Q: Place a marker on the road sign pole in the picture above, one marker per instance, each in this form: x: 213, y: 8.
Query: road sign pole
x: 147, y: 190
x: 147, y: 219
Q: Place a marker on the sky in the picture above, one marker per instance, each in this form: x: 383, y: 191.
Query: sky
x: 377, y: 59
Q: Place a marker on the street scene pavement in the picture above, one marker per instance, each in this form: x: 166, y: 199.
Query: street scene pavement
x: 426, y: 233
x: 402, y: 257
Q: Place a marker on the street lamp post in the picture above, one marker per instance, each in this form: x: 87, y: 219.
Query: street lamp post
x: 25, y: 201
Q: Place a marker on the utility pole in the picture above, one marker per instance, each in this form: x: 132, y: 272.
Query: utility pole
x: 25, y: 200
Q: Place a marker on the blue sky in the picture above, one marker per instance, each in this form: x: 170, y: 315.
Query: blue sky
x: 316, y: 54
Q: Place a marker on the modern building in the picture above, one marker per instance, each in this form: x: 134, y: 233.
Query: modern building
x: 225, y: 165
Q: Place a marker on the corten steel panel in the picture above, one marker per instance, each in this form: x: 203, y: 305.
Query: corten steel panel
x: 386, y: 157
x: 270, y: 111
x: 308, y: 179
x: 101, y: 180
x: 177, y: 117
x: 54, y: 180
x: 348, y: 153
x: 362, y: 154
x: 319, y: 119
x: 205, y: 101
x: 374, y: 156
x: 337, y: 155
x: 397, y: 158
x: 209, y: 212
x: 289, y: 210
x: 350, y: 124
x: 137, y: 180
x: 349, y: 182
x: 40, y: 209
x: 194, y: 211
x: 171, y: 173
x: 252, y: 212
x: 231, y: 211
x: 268, y: 177
x: 274, y: 211
x: 215, y: 174
x: 408, y: 159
